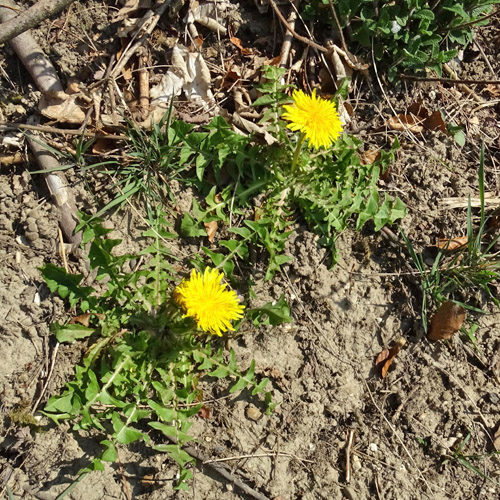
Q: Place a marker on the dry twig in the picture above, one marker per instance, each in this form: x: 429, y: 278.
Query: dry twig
x: 287, y: 41
x: 13, y: 25
x: 33, y: 58
x: 348, y: 451
x: 223, y: 472
x: 457, y: 81
x: 60, y: 131
x: 58, y: 187
x: 47, y: 378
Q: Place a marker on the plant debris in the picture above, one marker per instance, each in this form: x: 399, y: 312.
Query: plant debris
x: 386, y: 357
x: 447, y: 320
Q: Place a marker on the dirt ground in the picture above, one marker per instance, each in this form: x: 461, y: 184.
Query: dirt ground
x: 405, y: 428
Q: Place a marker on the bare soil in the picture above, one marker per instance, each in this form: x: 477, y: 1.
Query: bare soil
x: 406, y: 427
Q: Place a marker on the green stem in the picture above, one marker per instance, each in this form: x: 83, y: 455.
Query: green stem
x: 297, y: 152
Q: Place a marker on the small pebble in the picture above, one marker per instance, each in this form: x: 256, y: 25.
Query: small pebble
x: 373, y: 447
x: 253, y: 413
x: 493, y: 398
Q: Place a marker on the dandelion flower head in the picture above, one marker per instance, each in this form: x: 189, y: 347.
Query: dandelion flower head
x: 316, y: 118
x: 204, y: 297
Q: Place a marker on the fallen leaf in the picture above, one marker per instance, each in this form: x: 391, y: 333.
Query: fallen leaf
x: 474, y: 120
x: 406, y: 122
x: 198, y: 42
x: 103, y: 146
x: 204, y: 412
x: 451, y: 243
x: 188, y: 73
x: 435, y: 122
x: 83, y: 319
x: 130, y: 6
x: 418, y: 109
x: 61, y: 107
x: 430, y: 121
x: 275, y: 61
x: 211, y: 229
x: 348, y: 107
x: 230, y: 79
x: 386, y: 357
x: 237, y: 43
x: 447, y: 320
x: 494, y: 90
x: 370, y: 156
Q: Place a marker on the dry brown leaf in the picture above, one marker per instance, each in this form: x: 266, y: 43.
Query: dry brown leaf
x: 418, y: 109
x: 275, y: 61
x: 370, y: 156
x: 237, y: 43
x: 83, y: 319
x: 348, y: 107
x: 494, y: 90
x: 406, y: 122
x: 435, y: 122
x: 474, y: 120
x: 211, y: 229
x: 451, y: 243
x: 198, y: 42
x: 204, y: 412
x: 386, y: 357
x: 447, y: 320
x: 103, y: 146
x: 130, y: 6
x: 61, y: 107
x: 230, y: 79
x: 127, y: 73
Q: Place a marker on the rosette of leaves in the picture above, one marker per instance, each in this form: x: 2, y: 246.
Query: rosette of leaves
x: 139, y: 377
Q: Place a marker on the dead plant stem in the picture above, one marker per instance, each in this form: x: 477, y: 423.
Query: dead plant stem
x: 222, y: 471
x: 440, y: 79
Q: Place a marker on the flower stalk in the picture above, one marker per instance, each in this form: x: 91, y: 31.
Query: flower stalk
x: 296, y: 153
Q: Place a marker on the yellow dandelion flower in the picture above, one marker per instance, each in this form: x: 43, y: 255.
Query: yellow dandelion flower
x: 316, y: 118
x: 204, y: 297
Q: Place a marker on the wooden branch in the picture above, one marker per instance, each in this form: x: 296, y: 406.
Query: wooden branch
x: 302, y: 39
x: 13, y: 25
x: 32, y: 56
x: 59, y: 189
